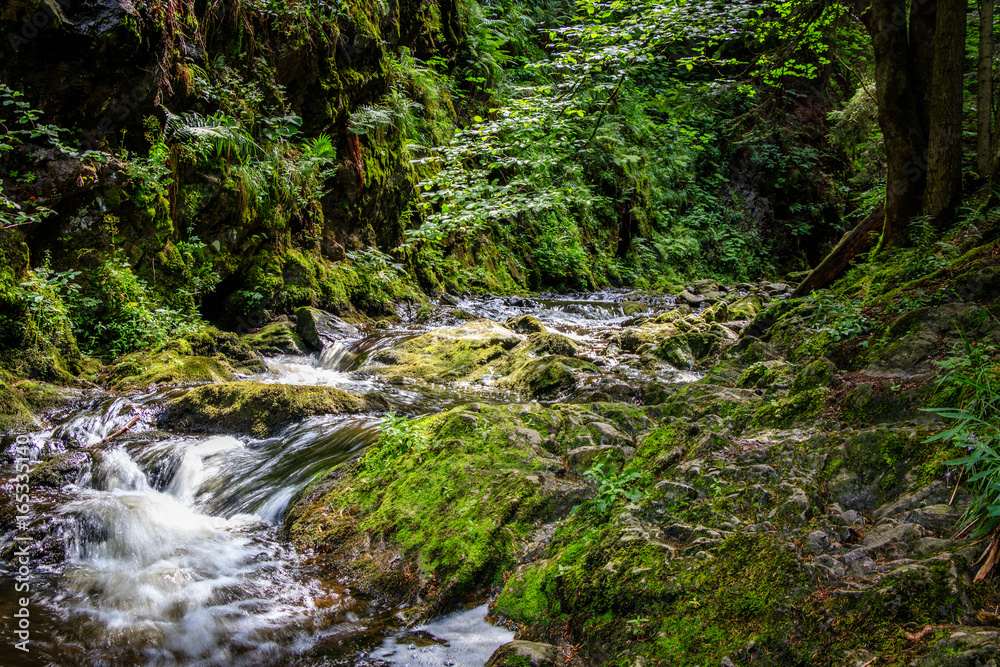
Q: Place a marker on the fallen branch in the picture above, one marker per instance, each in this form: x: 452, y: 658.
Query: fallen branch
x: 928, y: 629
x: 851, y: 245
x: 118, y: 432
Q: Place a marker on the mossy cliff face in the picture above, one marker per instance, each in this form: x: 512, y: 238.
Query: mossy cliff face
x: 272, y: 241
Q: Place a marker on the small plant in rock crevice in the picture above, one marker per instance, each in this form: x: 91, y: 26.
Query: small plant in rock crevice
x: 399, y: 436
x: 611, y: 486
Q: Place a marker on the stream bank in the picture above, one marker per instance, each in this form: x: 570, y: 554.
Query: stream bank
x: 623, y: 478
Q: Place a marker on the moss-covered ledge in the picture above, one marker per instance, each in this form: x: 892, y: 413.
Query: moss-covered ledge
x: 260, y: 409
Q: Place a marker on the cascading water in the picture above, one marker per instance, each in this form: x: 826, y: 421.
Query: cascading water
x: 165, y: 550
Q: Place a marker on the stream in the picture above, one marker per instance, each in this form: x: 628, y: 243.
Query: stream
x: 168, y: 551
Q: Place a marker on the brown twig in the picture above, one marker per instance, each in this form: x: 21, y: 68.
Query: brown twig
x: 118, y: 432
x: 957, y: 483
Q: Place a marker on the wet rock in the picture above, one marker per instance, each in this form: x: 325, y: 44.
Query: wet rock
x: 61, y: 469
x: 525, y: 324
x: 277, y: 338
x: 524, y: 654
x: 321, y: 329
x: 693, y: 300
x: 259, y: 409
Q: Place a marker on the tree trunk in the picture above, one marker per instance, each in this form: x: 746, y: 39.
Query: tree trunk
x: 900, y: 108
x: 984, y: 105
x: 944, y: 155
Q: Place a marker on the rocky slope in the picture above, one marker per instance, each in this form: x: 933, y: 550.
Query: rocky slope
x: 789, y: 508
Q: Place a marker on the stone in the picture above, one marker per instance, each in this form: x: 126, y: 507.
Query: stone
x: 526, y: 654
x: 321, y: 329
x: 704, y: 286
x: 690, y: 299
x: 817, y: 542
x: 525, y: 324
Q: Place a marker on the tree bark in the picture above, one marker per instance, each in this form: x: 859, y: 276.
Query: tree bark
x: 944, y: 155
x: 984, y: 104
x: 900, y: 108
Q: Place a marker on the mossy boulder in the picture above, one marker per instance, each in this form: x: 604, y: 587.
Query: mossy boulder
x: 141, y: 370
x: 817, y: 373
x: 448, y: 354
x: 765, y: 374
x: 15, y: 414
x: 62, y: 469
x: 320, y: 329
x: 543, y: 344
x: 200, y: 357
x: 276, y: 338
x: 746, y: 308
x: 802, y: 408
x: 259, y: 409
x: 548, y: 376
x: 631, y: 339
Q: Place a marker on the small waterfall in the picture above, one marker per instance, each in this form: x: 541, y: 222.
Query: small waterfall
x: 177, y: 584
x: 339, y: 356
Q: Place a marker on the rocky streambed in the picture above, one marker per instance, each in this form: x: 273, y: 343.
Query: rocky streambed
x: 619, y: 478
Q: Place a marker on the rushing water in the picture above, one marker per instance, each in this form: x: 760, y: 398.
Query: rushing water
x: 167, y: 551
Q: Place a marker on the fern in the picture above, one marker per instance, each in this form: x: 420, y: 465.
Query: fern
x: 217, y: 135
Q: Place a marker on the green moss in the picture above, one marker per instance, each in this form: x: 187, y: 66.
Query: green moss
x: 15, y: 414
x: 259, y: 409
x: 140, y: 370
x: 457, y: 511
x: 276, y: 338
x: 543, y: 344
x: 818, y: 373
x: 763, y: 374
x: 547, y: 376
x: 445, y: 355
x: 797, y: 409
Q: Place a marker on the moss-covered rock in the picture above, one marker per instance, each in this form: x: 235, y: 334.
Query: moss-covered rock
x: 200, y: 357
x: 817, y: 373
x: 448, y: 354
x: 62, y: 469
x: 548, y: 376
x: 543, y: 344
x: 259, y: 409
x: 141, y: 370
x: 276, y: 338
x: 15, y: 414
x: 446, y: 519
x: 320, y: 329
